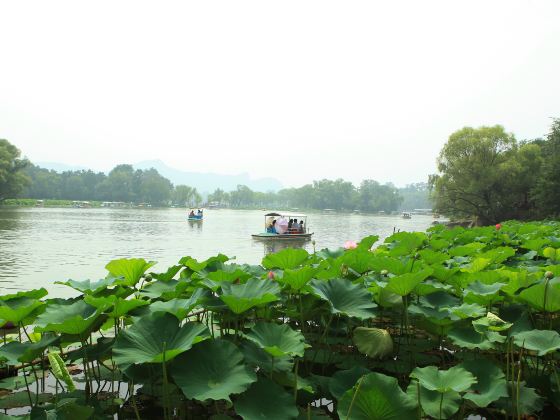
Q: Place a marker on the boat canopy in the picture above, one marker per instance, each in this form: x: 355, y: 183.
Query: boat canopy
x: 284, y: 213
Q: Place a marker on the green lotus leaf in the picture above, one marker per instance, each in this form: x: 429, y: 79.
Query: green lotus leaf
x: 15, y: 351
x: 343, y: 380
x: 257, y: 357
x: 287, y: 258
x: 119, y: 306
x: 376, y: 397
x: 21, y: 399
x: 499, y: 255
x: 169, y: 274
x: 433, y: 257
x: 481, y: 289
x: 391, y: 264
x: 453, y: 379
x: 444, y: 274
x: 266, y: 400
x: 491, y: 382
x: 529, y: 401
x: 17, y: 309
x: 228, y: 275
x: 428, y: 287
x: 551, y: 253
x: 470, y: 339
x: 373, y: 342
x: 179, y: 307
x: 439, y: 300
x: 165, y: 290
x: 241, y: 297
x: 131, y: 270
x: 544, y: 296
x: 88, y: 286
x: 76, y: 318
x: 155, y: 338
x: 344, y: 297
x: 541, y: 341
x: 367, y: 242
x: 435, y: 404
x: 59, y: 370
x: 359, y: 260
x: 277, y: 339
x: 404, y: 243
x: 297, y: 279
x: 212, y: 370
x: 490, y: 322
x: 31, y: 294
x: 442, y: 317
x: 466, y: 250
x: 466, y: 310
x: 477, y: 265
x: 405, y: 283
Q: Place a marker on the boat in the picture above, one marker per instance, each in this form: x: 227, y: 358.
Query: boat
x: 406, y: 215
x: 195, y: 217
x: 282, y: 219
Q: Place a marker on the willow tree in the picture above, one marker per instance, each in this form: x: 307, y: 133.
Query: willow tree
x: 484, y: 173
x: 12, y: 177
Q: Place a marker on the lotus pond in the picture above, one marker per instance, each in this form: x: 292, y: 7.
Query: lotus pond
x: 449, y: 323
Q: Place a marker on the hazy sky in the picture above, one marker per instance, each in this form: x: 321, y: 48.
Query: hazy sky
x: 297, y: 90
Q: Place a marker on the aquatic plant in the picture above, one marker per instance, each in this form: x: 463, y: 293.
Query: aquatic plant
x: 442, y: 324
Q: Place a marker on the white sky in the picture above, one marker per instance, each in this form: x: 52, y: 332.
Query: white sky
x: 297, y: 90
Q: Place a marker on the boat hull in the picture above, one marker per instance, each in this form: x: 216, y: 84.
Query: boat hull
x: 282, y: 237
x: 195, y: 219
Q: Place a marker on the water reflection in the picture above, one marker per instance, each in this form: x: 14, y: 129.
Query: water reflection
x: 272, y: 246
x: 195, y: 224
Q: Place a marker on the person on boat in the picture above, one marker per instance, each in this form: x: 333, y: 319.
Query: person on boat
x: 274, y: 227
x: 290, y: 223
x: 191, y: 214
x: 199, y: 212
x: 294, y: 228
x: 301, y: 229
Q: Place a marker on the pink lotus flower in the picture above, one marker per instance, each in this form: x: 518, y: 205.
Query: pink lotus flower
x: 270, y: 275
x: 498, y: 226
x: 350, y: 245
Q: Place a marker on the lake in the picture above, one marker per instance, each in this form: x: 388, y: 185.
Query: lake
x: 39, y: 246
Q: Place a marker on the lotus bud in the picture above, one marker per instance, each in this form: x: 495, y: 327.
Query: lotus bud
x: 344, y: 269
x: 384, y: 272
x: 549, y: 274
x: 313, y: 242
x: 148, y: 277
x: 270, y: 275
x: 498, y: 226
x: 350, y: 245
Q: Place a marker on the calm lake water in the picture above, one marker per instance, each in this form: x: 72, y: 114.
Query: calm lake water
x: 39, y: 246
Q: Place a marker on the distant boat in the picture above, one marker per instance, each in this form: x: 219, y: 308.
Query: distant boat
x: 406, y: 215
x: 288, y: 234
x: 196, y: 217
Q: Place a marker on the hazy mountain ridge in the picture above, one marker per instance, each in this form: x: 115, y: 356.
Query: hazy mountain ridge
x: 203, y: 182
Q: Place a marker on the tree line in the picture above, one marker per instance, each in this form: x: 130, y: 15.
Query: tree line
x: 126, y: 184
x: 487, y: 174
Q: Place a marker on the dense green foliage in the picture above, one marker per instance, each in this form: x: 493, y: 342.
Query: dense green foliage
x: 442, y: 324
x: 122, y: 184
x: 487, y: 174
x: 12, y: 176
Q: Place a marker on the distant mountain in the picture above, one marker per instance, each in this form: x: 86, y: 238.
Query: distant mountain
x: 60, y: 167
x: 208, y: 182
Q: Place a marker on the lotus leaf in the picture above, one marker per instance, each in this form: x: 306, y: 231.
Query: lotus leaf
x: 343, y: 380
x: 156, y: 338
x: 466, y: 250
x: 359, y: 260
x: 344, y: 297
x: 241, y: 297
x: 88, y: 286
x: 491, y: 383
x: 60, y: 371
x: 17, y: 309
x: 266, y: 400
x: 297, y: 279
x: 466, y: 310
x: 402, y: 243
x: 164, y: 290
x: 490, y: 322
x: 541, y: 341
x: 15, y: 351
x: 436, y: 405
x: 544, y: 296
x: 75, y: 318
x: 131, y: 270
x: 277, y: 339
x: 212, y: 370
x: 453, y: 379
x: 287, y: 258
x: 552, y: 254
x: 405, y: 283
x: 119, y: 307
x: 373, y: 342
x: 258, y: 357
x: 529, y: 401
x: 376, y: 397
x: 179, y: 307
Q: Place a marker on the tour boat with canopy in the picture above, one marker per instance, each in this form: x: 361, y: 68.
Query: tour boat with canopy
x: 196, y: 216
x: 277, y: 227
